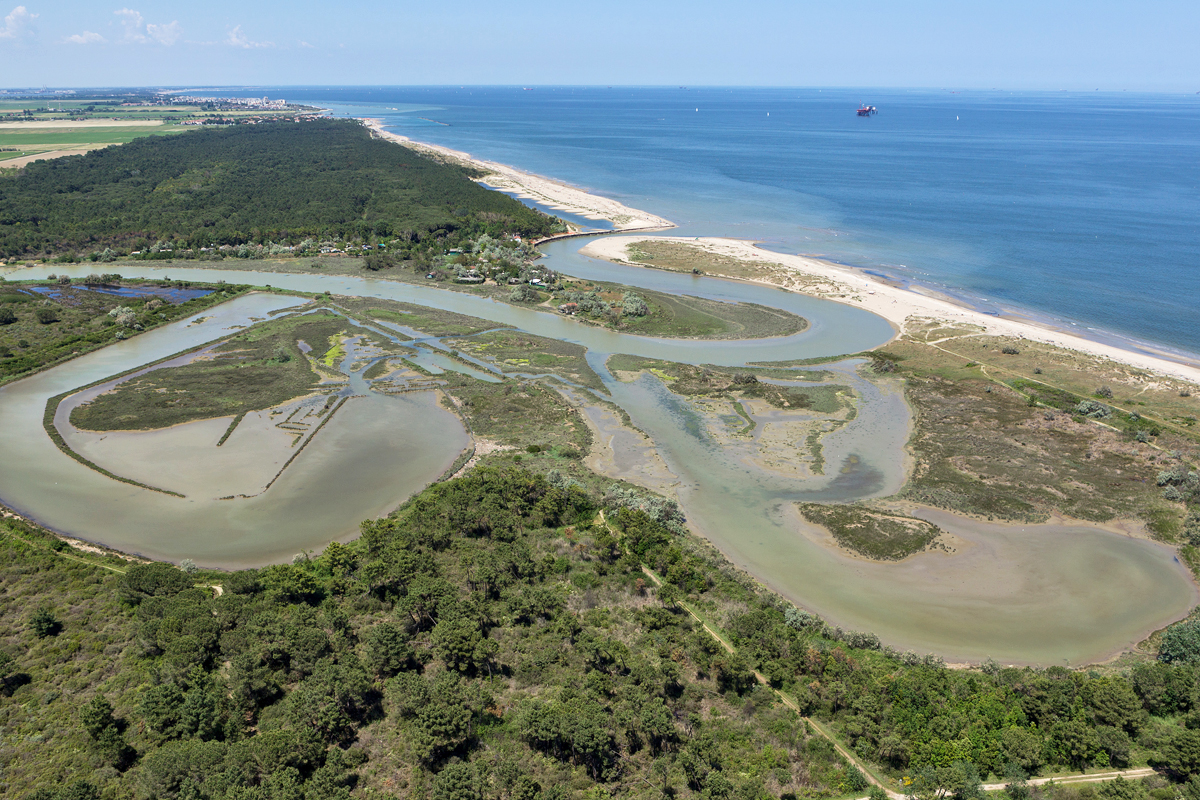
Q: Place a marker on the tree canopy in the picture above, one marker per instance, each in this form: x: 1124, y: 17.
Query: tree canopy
x: 278, y: 182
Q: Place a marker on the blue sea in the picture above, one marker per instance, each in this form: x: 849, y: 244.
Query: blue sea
x: 1080, y: 209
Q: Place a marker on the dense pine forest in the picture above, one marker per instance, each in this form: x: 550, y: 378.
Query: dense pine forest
x: 501, y: 636
x: 276, y: 182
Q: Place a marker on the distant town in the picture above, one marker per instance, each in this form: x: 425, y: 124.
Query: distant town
x: 249, y: 102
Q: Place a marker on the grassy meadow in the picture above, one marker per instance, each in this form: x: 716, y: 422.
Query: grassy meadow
x: 256, y: 369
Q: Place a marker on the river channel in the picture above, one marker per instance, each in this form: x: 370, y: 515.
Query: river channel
x: 1039, y: 594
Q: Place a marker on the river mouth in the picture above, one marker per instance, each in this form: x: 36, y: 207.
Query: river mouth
x: 1046, y: 595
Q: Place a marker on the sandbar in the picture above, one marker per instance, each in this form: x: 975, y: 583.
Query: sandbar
x: 901, y: 306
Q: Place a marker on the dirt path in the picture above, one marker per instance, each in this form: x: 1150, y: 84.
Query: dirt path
x: 983, y: 368
x: 1140, y: 772
x: 218, y: 590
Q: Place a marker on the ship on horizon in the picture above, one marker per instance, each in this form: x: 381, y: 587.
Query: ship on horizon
x: 865, y: 110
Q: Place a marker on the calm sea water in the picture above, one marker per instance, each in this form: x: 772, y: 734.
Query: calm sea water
x: 1082, y: 209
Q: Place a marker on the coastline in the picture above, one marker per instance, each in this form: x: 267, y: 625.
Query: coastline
x: 547, y: 191
x: 899, y: 305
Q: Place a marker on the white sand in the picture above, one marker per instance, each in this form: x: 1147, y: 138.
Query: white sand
x: 551, y: 193
x: 902, y: 306
x: 898, y: 305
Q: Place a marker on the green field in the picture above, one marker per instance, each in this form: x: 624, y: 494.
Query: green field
x: 108, y: 107
x: 430, y: 321
x: 63, y: 139
x: 987, y: 449
x: 35, y: 141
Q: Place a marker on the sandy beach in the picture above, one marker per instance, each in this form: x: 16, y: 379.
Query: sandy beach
x: 900, y: 306
x: 543, y: 190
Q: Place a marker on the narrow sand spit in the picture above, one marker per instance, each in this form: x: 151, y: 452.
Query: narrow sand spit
x: 552, y: 193
x: 898, y: 305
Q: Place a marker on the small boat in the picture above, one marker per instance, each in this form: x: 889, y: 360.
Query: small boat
x: 866, y: 111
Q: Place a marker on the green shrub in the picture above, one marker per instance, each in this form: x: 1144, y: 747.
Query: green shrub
x: 75, y: 790
x: 1093, y: 409
x: 524, y: 293
x: 43, y: 623
x: 154, y: 580
x: 243, y: 582
x: 1181, y: 642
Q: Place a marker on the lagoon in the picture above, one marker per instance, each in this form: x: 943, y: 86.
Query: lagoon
x: 1043, y: 594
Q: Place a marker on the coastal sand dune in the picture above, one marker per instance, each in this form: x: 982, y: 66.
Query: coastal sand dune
x: 900, y: 306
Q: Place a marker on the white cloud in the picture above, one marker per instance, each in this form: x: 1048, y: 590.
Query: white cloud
x: 238, y: 39
x: 138, y: 31
x: 307, y: 46
x: 165, y: 34
x: 87, y: 37
x: 18, y: 24
x: 132, y: 21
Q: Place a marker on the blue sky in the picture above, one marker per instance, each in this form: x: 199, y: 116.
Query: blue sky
x: 1068, y: 44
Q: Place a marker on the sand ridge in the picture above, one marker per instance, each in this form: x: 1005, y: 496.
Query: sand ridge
x: 900, y: 306
x: 549, y: 192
